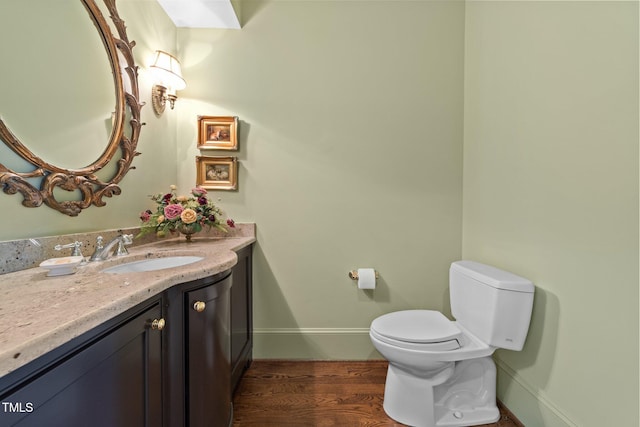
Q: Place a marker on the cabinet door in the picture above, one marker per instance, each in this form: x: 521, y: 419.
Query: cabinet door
x: 241, y: 316
x: 115, y: 380
x: 208, y: 355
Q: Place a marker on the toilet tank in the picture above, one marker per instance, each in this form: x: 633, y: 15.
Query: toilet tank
x: 492, y: 304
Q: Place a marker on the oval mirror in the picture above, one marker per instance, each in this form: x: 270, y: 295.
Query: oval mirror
x: 73, y: 177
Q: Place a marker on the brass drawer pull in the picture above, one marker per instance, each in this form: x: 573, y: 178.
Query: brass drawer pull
x: 158, y: 324
x: 199, y: 306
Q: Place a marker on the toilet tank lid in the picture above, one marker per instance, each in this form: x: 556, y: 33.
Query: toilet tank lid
x: 493, y: 276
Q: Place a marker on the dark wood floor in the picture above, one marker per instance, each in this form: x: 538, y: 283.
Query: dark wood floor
x: 318, y: 394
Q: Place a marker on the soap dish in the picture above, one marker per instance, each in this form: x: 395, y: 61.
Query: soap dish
x: 61, y: 266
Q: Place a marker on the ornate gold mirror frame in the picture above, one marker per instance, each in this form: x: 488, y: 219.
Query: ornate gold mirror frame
x: 84, y: 180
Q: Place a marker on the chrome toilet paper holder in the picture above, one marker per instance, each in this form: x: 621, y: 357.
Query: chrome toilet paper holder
x: 353, y: 275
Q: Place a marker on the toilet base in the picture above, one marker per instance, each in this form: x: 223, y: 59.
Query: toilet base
x: 461, y: 394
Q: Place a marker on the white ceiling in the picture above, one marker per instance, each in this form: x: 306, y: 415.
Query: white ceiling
x: 201, y: 13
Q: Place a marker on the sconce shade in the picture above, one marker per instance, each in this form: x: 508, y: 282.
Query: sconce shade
x: 167, y: 71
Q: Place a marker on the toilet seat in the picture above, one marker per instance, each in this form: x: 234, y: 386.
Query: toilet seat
x: 418, y: 329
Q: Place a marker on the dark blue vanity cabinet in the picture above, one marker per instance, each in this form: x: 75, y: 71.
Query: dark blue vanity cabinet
x: 171, y: 361
x: 209, y: 344
x: 109, y: 376
x: 241, y: 316
x: 198, y: 353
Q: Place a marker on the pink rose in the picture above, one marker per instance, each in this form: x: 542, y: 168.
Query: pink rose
x: 172, y: 211
x: 198, y: 191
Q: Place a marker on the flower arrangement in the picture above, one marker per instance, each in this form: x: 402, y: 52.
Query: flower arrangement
x: 184, y: 214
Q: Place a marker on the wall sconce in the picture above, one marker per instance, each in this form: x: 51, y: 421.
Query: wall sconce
x: 168, y: 74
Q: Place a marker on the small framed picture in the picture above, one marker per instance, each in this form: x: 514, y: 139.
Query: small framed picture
x: 217, y: 173
x: 217, y: 133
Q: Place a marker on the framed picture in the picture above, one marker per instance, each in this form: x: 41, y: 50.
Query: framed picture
x: 217, y: 173
x: 217, y: 133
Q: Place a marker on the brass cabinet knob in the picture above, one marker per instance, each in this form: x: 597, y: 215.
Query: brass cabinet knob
x: 199, y: 306
x: 158, y: 324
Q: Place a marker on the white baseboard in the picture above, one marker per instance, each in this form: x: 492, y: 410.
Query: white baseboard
x: 313, y: 344
x: 530, y: 406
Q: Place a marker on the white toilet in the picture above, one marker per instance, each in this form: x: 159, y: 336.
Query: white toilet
x: 441, y: 372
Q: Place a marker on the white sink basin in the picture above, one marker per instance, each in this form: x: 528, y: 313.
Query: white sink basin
x: 153, y: 264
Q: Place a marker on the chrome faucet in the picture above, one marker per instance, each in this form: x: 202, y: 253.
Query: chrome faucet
x: 102, y: 251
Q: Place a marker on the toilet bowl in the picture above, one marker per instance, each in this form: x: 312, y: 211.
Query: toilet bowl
x: 419, y: 390
x: 440, y: 371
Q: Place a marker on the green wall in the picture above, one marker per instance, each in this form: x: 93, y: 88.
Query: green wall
x: 351, y: 156
x: 551, y: 192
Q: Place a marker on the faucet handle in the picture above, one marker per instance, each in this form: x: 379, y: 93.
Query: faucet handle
x: 75, y: 245
x: 76, y: 249
x: 126, y: 239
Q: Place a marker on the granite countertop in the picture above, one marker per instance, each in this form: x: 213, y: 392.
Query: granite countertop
x: 39, y: 313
